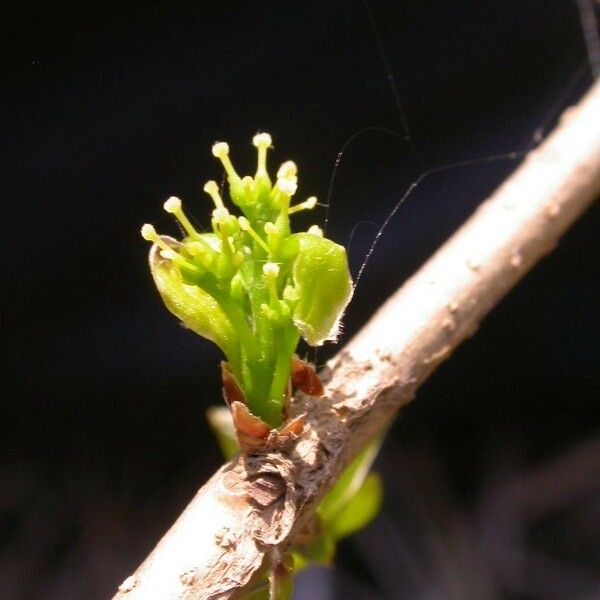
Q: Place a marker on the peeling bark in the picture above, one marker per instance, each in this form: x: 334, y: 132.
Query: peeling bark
x: 255, y: 505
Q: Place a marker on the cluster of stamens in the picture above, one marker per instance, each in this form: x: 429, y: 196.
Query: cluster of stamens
x: 257, y: 233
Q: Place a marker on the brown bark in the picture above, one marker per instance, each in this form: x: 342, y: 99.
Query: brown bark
x: 252, y: 507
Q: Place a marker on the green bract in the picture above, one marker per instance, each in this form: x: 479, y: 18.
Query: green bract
x: 251, y: 285
x: 319, y: 307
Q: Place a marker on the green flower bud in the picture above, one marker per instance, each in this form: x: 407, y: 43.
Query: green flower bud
x: 250, y: 285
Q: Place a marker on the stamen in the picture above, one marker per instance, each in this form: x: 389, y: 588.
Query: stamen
x: 221, y: 151
x: 220, y: 215
x: 212, y: 189
x: 196, y: 249
x: 287, y: 170
x: 271, y: 272
x: 173, y: 206
x: 245, y: 226
x: 203, y: 252
x: 270, y: 228
x: 262, y: 141
x: 268, y: 312
x: 288, y: 185
x: 290, y: 294
x: 308, y: 204
x: 238, y: 259
x: 247, y: 186
x: 149, y: 234
x: 170, y: 254
x: 222, y: 222
x: 315, y: 230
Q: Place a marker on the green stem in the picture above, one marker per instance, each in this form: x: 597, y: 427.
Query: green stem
x: 261, y: 338
x: 283, y: 365
x: 247, y: 351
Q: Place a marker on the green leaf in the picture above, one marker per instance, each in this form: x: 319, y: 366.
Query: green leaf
x: 360, y: 511
x: 261, y: 592
x: 220, y: 421
x: 349, y: 482
x: 322, y: 279
x: 320, y: 551
x: 197, y: 309
x: 277, y: 583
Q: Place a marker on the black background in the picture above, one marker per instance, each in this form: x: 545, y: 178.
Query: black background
x: 491, y: 475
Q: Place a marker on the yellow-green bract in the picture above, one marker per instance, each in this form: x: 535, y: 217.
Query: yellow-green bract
x: 323, y: 285
x: 251, y: 285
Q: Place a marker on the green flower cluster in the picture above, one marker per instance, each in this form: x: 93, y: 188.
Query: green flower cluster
x: 251, y: 285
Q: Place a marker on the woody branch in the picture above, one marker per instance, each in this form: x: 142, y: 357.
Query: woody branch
x: 253, y: 506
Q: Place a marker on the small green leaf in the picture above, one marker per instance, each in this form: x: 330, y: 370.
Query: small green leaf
x: 197, y: 309
x: 324, y: 285
x: 349, y: 482
x: 261, y: 592
x: 220, y: 421
x: 360, y: 511
x: 280, y: 582
x: 321, y: 550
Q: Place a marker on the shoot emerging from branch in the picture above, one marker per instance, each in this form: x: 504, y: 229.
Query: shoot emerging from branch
x: 252, y: 286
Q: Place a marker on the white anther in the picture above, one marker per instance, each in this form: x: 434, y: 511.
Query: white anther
x: 169, y: 254
x: 211, y: 187
x: 220, y: 149
x: 262, y: 139
x: 220, y: 214
x: 172, y: 205
x: 287, y: 186
x: 148, y: 232
x: 287, y: 170
x: 270, y: 228
x: 270, y: 269
x: 310, y: 202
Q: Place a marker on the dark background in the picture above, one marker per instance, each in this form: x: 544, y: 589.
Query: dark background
x: 492, y: 475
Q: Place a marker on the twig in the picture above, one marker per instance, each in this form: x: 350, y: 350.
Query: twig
x: 252, y: 506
